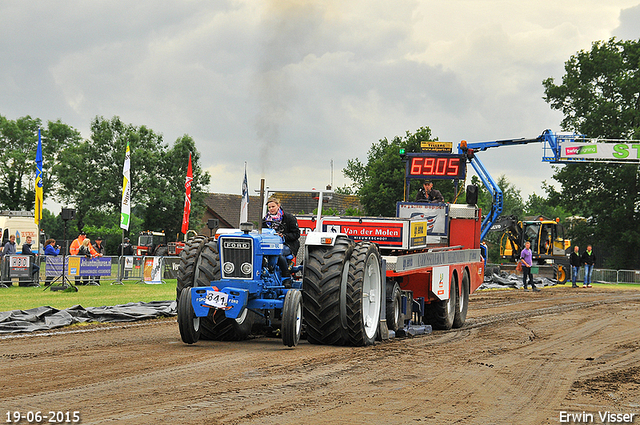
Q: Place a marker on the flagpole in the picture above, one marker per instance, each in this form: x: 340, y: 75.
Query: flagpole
x: 187, y: 198
x: 38, y: 189
x: 125, y: 205
x: 244, y: 202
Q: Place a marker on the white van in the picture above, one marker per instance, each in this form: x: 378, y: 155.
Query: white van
x: 21, y: 224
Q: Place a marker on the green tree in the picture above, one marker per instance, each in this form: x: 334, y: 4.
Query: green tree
x: 18, y: 145
x: 380, y: 182
x: 90, y: 177
x: 538, y: 205
x: 165, y: 205
x: 600, y: 97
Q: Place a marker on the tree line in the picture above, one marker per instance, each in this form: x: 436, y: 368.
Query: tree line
x: 86, y: 174
x: 600, y: 97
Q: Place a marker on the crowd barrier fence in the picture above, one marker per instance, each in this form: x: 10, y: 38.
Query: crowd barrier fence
x: 18, y: 269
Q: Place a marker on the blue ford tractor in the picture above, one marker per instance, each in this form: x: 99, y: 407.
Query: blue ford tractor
x: 230, y: 285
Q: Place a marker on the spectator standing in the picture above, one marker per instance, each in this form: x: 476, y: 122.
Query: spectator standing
x: 77, y: 242
x: 99, y: 248
x: 10, y: 246
x: 35, y: 268
x: 125, y: 249
x: 87, y: 251
x: 576, y: 262
x: 9, y: 249
x: 74, y: 248
x: 51, y: 250
x: 526, y: 257
x: 589, y: 260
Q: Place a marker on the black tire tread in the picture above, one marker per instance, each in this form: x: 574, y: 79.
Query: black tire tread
x: 322, y: 278
x: 290, y: 330
x: 355, y: 319
x: 462, y: 302
x: 437, y: 312
x: 188, y: 258
x: 394, y: 304
x: 188, y: 333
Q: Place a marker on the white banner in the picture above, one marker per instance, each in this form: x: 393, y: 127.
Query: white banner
x: 125, y: 210
x: 601, y: 151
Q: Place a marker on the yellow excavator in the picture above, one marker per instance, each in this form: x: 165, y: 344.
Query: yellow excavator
x: 549, y: 247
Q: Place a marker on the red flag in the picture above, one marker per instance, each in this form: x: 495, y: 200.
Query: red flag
x: 187, y: 198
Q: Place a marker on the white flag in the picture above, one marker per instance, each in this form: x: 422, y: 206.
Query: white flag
x: 244, y: 204
x: 125, y: 210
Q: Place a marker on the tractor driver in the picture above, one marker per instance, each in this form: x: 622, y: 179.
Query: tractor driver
x: 285, y: 225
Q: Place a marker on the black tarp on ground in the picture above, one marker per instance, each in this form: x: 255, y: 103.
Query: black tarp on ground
x: 509, y: 280
x: 46, y: 318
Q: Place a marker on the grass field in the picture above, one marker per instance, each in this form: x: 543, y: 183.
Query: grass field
x: 20, y: 298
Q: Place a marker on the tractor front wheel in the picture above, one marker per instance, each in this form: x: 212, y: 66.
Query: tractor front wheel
x: 292, y: 318
x: 188, y: 322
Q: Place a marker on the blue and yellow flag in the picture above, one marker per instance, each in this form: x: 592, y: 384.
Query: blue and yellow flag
x: 38, y: 183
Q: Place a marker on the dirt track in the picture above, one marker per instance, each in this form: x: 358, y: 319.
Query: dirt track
x: 521, y: 358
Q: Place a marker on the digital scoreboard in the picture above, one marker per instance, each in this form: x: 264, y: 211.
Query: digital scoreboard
x: 435, y: 166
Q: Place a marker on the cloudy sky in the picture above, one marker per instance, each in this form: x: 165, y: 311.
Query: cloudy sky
x: 293, y: 86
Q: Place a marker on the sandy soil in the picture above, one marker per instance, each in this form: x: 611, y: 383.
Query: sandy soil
x: 521, y: 358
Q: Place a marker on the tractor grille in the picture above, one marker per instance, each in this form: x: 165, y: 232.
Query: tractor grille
x: 236, y: 260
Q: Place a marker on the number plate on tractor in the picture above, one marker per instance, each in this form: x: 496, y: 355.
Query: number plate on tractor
x: 216, y: 299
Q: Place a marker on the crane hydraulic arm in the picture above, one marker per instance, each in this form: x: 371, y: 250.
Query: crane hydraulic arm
x: 557, y: 149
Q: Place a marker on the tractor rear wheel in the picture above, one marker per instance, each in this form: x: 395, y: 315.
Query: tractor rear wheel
x: 188, y: 258
x: 217, y: 326
x: 188, y: 322
x: 364, y: 294
x: 324, y: 286
x: 292, y: 318
x: 441, y: 314
x: 161, y: 251
x: 462, y: 303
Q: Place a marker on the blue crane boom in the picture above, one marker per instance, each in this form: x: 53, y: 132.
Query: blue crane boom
x: 557, y: 149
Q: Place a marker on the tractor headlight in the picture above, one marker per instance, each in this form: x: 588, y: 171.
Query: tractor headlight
x: 246, y: 268
x: 246, y: 227
x: 228, y: 267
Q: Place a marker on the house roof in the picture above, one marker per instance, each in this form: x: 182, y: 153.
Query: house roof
x: 226, y: 207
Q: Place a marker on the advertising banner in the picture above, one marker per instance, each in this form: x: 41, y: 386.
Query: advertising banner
x: 440, y: 282
x: 20, y: 265
x: 171, y: 266
x: 98, y: 266
x: 78, y: 266
x: 602, y: 151
x: 435, y: 214
x: 152, y: 270
x: 384, y: 233
x: 306, y: 223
